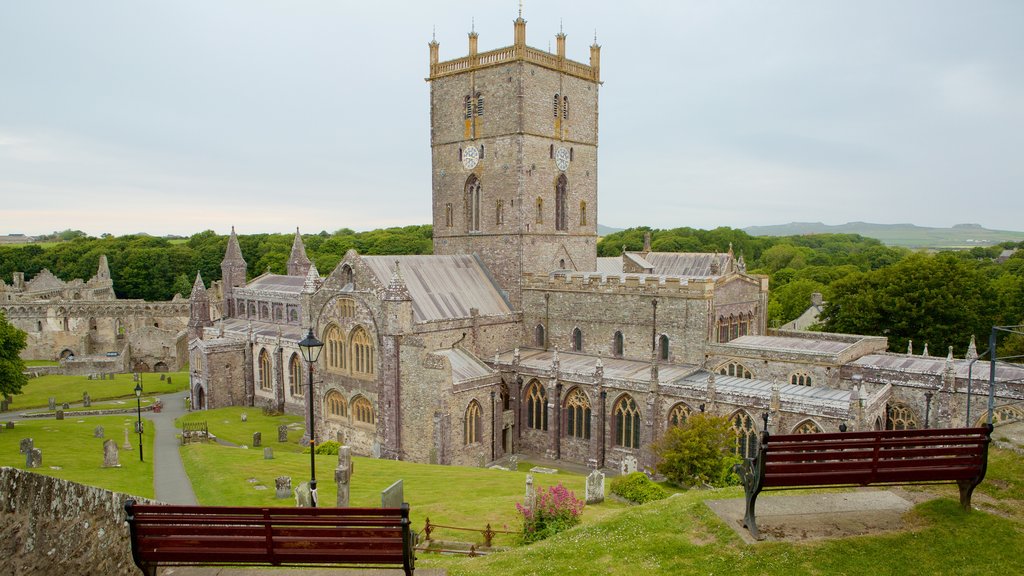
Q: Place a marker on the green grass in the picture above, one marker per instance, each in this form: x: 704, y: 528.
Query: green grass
x: 69, y: 445
x: 69, y: 389
x: 226, y: 424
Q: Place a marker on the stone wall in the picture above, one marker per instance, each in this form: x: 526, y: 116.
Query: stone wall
x: 52, y: 526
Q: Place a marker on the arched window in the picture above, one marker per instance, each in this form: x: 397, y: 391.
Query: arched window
x: 499, y: 212
x: 746, y: 435
x: 92, y: 324
x: 627, y: 423
x: 618, y: 345
x: 362, y: 352
x: 266, y: 372
x: 335, y: 348
x: 663, y: 347
x: 472, y: 432
x: 337, y: 407
x: 807, y: 427
x: 481, y: 151
x: 264, y: 312
x: 577, y: 414
x: 538, y: 336
x: 540, y: 210
x: 577, y: 340
x: 735, y: 369
x: 480, y: 106
x: 551, y: 152
x: 278, y: 314
x: 678, y: 414
x: 448, y: 215
x: 800, y: 379
x: 362, y: 410
x: 536, y: 407
x: 506, y: 399
x: 556, y: 105
x: 583, y: 213
x: 561, y: 191
x: 295, y: 375
x: 347, y: 275
x: 899, y: 417
x: 473, y: 203
x: 293, y: 315
x: 252, y: 310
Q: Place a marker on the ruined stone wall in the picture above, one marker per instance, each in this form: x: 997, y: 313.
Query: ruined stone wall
x: 51, y: 526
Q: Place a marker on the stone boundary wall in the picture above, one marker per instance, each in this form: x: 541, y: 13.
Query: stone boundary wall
x: 51, y: 526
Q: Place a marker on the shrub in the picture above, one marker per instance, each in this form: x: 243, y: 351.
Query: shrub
x: 555, y: 510
x: 329, y: 447
x: 700, y: 452
x: 637, y: 488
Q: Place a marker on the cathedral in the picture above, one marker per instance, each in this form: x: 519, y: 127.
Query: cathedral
x: 515, y: 338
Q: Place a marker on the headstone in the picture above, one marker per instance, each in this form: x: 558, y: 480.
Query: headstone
x: 65, y: 406
x: 245, y: 417
x: 340, y: 437
x: 531, y: 494
x: 10, y: 424
x: 60, y: 414
x: 163, y: 377
x: 284, y: 486
x: 513, y: 463
x: 26, y: 445
x: 34, y: 459
x: 168, y: 380
x: 628, y: 465
x: 343, y: 475
x: 282, y: 433
x: 52, y: 403
x: 595, y: 487
x: 392, y: 496
x: 3, y: 406
x: 86, y: 400
x: 127, y: 445
x: 257, y: 439
x: 268, y: 453
x: 110, y: 454
x: 303, y: 496
x: 97, y: 432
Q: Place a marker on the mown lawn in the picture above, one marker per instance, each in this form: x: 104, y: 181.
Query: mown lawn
x: 70, y: 451
x: 226, y: 424
x: 69, y: 389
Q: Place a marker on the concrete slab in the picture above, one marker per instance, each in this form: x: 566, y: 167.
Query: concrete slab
x: 793, y: 518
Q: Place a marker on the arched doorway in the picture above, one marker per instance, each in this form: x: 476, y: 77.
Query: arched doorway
x: 199, y: 399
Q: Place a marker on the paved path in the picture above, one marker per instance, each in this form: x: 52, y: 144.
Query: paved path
x: 170, y: 483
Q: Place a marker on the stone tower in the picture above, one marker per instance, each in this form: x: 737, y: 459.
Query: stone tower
x: 514, y: 149
x: 232, y: 272
x: 199, y: 309
x: 298, y: 262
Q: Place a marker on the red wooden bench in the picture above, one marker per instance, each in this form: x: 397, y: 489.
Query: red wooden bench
x: 882, y: 457
x: 221, y: 535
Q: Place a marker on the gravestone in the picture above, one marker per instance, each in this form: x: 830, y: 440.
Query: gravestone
x: 340, y: 437
x: 65, y: 406
x: 10, y: 424
x: 245, y: 417
x: 392, y: 496
x: 268, y: 453
x: 3, y: 406
x: 303, y: 496
x: 257, y: 439
x: 343, y: 475
x: 52, y: 403
x: 60, y: 414
x: 531, y: 494
x: 513, y: 463
x: 168, y: 380
x: 163, y: 377
x: 595, y: 487
x: 110, y: 454
x: 26, y: 445
x: 284, y: 486
x: 34, y: 459
x: 86, y: 400
x: 127, y: 445
x: 628, y: 465
x: 97, y: 432
x: 282, y: 433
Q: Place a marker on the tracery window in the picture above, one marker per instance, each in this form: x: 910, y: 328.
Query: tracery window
x: 618, y: 345
x: 627, y: 423
x: 295, y: 375
x: 347, y: 307
x: 678, y: 414
x: 577, y: 414
x: 800, y: 379
x: 807, y: 427
x: 746, y: 435
x: 577, y: 340
x: 561, y: 192
x: 363, y: 410
x: 264, y: 312
x: 335, y: 347
x: 347, y: 275
x: 362, y: 352
x: 899, y: 417
x: 536, y: 407
x: 473, y: 202
x: 471, y: 432
x: 735, y: 369
x: 337, y: 407
x: 265, y: 373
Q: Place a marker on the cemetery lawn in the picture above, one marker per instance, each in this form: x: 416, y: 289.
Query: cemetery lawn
x: 69, y: 445
x: 226, y: 424
x: 69, y: 389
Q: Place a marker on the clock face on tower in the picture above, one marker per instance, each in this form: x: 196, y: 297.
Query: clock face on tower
x: 562, y: 158
x: 470, y: 157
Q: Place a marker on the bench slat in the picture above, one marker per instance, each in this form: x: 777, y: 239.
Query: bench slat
x: 867, y: 454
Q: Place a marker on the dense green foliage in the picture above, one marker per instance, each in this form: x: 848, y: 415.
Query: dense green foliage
x: 12, y: 342
x: 698, y: 452
x: 637, y: 488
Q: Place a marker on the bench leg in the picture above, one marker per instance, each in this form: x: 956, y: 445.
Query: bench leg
x: 749, y: 521
x: 966, y: 489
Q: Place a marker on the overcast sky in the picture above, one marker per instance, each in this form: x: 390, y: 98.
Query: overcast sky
x: 175, y: 117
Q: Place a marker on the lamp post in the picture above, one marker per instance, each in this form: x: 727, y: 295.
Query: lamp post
x: 310, y: 348
x: 138, y: 406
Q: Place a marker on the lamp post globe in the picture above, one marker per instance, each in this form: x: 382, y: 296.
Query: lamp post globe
x: 310, y: 348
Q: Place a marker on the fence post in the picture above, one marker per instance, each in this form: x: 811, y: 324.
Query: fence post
x: 488, y: 535
x: 426, y: 530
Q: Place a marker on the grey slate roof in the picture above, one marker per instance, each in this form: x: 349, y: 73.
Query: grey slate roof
x: 241, y: 326
x: 277, y: 283
x: 936, y: 365
x: 803, y: 345
x: 465, y: 366
x: 688, y: 264
x: 443, y: 287
x: 806, y: 395
x: 584, y: 364
x: 609, y: 265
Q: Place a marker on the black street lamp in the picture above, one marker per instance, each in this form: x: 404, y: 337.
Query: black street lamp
x: 138, y: 405
x: 310, y: 348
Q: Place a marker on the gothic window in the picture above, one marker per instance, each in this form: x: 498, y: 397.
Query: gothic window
x: 480, y: 107
x: 556, y: 106
x: 746, y: 435
x: 678, y: 414
x: 499, y: 212
x: 663, y: 347
x: 362, y: 352
x: 39, y: 326
x: 577, y: 415
x: 583, y: 213
x: 473, y: 203
x: 347, y: 307
x: 735, y: 369
x: 506, y: 399
x: 800, y: 379
x: 92, y: 324
x: 618, y: 346
x: 807, y: 427
x: 347, y: 275
x: 448, y: 215
x: 363, y: 410
x: 561, y: 263
x: 252, y: 310
x: 577, y: 340
x: 538, y: 334
x: 337, y: 407
x: 278, y: 313
x: 469, y: 107
x: 264, y: 312
x: 293, y: 315
x: 471, y: 432
x: 334, y: 346
x: 540, y: 210
x: 899, y: 417
x: 1002, y: 414
x: 565, y: 107
x: 265, y: 372
x: 561, y: 191
x: 536, y: 407
x: 295, y: 375
x: 627, y: 423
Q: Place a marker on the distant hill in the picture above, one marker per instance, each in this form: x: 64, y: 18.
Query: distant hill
x: 603, y: 230
x: 908, y: 235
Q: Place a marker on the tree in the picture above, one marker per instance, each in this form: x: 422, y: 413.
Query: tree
x: 698, y: 452
x: 12, y: 367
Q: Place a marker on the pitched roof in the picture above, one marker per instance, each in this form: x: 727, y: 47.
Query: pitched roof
x: 465, y: 366
x: 688, y: 264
